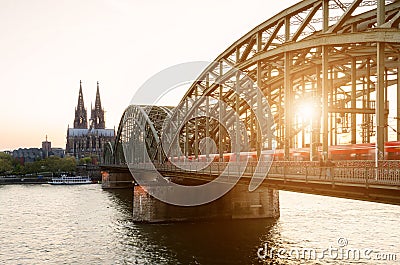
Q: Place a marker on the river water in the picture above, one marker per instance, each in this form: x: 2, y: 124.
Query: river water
x: 43, y: 224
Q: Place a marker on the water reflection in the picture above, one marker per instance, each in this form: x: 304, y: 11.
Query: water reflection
x: 121, y: 199
x: 87, y: 225
x: 307, y: 221
x: 222, y: 242
x: 216, y: 242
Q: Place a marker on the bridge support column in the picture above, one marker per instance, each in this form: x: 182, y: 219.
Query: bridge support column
x: 398, y: 99
x: 380, y: 93
x: 261, y: 203
x: 238, y: 203
x: 288, y: 110
x: 380, y: 103
x: 116, y: 180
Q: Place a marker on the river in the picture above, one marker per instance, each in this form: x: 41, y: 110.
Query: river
x: 44, y: 224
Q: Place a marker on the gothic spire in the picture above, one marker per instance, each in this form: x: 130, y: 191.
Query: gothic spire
x: 97, y: 103
x: 81, y: 103
x: 80, y: 121
x: 97, y: 112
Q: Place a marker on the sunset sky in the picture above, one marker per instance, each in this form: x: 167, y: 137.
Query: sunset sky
x: 47, y: 46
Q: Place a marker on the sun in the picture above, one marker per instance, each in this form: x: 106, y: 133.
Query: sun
x: 307, y: 111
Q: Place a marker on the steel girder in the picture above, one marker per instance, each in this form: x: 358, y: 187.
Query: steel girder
x: 140, y: 129
x: 317, y: 50
x: 108, y: 154
x: 340, y: 56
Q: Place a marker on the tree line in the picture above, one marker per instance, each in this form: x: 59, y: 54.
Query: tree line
x: 10, y: 166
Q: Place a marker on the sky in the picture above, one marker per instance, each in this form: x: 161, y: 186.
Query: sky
x: 47, y: 46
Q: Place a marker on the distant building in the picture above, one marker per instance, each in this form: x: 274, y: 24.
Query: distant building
x: 48, y: 151
x: 46, y: 148
x: 88, y: 139
x: 24, y: 155
x: 55, y: 151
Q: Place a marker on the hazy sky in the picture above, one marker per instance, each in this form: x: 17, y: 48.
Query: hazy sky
x: 47, y: 46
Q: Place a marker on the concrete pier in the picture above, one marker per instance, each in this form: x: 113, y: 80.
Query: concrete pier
x: 116, y: 179
x: 238, y: 203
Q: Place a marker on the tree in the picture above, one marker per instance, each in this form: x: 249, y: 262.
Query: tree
x: 6, y: 163
x: 85, y: 160
x: 51, y: 164
x: 68, y: 164
x: 5, y: 166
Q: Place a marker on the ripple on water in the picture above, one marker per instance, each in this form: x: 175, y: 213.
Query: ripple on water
x: 84, y: 224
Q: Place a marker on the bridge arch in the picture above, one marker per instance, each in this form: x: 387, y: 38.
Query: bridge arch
x: 141, y: 125
x: 108, y: 154
x: 340, y: 57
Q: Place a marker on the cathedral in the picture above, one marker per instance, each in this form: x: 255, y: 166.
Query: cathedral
x: 88, y: 137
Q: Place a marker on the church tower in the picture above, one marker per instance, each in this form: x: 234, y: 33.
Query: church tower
x: 97, y: 115
x: 88, y: 139
x: 80, y: 121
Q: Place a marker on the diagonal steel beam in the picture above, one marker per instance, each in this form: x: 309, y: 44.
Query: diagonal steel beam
x: 274, y: 34
x: 247, y: 51
x: 306, y: 21
x: 345, y: 16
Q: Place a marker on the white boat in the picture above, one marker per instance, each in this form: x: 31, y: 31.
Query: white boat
x: 70, y: 180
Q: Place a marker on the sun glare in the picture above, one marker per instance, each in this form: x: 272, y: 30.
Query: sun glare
x: 306, y: 111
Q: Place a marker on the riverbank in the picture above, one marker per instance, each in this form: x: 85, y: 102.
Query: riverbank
x: 4, y: 180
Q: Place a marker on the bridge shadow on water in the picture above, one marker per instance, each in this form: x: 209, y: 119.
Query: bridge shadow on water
x: 205, y: 242
x: 216, y: 242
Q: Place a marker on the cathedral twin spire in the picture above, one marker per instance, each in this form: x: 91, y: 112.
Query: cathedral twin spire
x: 97, y: 113
x: 80, y: 121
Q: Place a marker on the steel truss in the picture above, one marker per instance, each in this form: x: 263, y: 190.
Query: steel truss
x: 341, y: 57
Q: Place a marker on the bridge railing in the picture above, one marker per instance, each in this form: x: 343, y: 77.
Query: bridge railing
x: 286, y: 170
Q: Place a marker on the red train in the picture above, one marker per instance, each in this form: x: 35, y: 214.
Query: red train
x: 339, y: 152
x: 346, y: 152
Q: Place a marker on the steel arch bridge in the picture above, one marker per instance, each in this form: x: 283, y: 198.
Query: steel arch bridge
x: 339, y: 58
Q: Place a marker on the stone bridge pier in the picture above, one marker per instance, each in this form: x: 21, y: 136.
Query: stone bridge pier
x: 116, y: 178
x: 238, y: 203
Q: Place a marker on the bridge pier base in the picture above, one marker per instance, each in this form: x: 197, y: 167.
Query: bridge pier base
x: 238, y: 203
x: 116, y: 179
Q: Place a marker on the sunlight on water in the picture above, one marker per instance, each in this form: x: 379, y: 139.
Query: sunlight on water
x: 84, y: 224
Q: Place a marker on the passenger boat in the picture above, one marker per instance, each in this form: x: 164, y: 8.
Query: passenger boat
x: 70, y: 180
